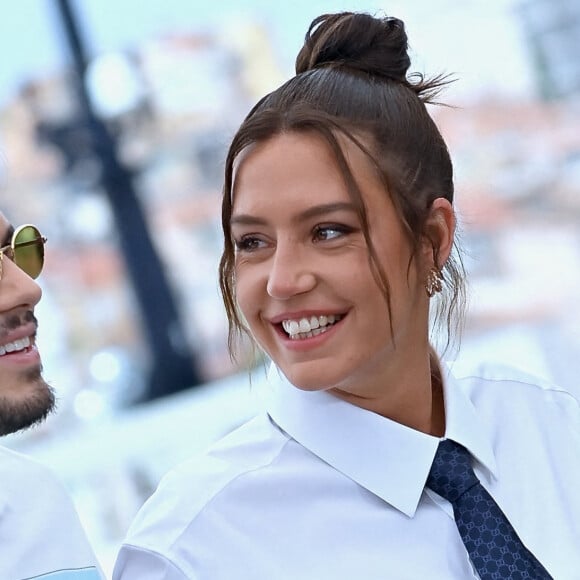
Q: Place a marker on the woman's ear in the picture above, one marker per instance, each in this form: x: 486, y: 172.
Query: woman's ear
x: 439, y: 233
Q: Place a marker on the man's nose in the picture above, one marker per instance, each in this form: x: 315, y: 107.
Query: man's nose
x: 17, y: 288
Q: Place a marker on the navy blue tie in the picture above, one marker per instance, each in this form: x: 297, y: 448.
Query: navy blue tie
x: 494, y: 547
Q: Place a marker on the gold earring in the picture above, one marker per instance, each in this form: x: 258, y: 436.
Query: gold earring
x: 434, y: 282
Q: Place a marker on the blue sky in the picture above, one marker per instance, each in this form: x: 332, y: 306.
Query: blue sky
x: 478, y: 39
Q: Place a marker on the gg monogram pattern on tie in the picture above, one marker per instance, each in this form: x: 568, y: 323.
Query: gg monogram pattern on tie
x: 495, y: 549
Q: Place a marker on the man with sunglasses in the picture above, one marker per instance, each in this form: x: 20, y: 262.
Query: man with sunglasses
x: 40, y: 533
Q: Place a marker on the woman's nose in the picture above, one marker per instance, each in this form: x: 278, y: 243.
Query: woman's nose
x: 291, y: 273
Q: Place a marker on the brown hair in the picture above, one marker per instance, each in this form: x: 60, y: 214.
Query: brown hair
x: 352, y: 81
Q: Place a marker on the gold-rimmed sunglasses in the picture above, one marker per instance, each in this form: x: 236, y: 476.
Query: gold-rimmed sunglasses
x: 26, y: 250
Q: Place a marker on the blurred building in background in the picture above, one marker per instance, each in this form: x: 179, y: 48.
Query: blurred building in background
x: 552, y: 30
x: 172, y: 102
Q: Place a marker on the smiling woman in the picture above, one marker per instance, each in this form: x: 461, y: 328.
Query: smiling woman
x: 374, y: 459
x: 306, y: 256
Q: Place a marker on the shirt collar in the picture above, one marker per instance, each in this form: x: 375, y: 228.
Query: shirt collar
x: 386, y: 458
x: 463, y: 424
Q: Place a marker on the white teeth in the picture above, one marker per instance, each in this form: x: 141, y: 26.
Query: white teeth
x: 306, y: 328
x: 15, y: 346
x: 291, y: 326
x: 315, y: 332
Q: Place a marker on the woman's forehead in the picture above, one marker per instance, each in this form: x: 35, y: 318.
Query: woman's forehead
x: 323, y: 150
x: 297, y: 173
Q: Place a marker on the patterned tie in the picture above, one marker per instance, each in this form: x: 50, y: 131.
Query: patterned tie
x: 493, y: 545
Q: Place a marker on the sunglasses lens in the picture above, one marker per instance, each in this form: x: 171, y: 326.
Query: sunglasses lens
x: 29, y: 250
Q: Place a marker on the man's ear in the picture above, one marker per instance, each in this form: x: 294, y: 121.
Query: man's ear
x: 439, y: 233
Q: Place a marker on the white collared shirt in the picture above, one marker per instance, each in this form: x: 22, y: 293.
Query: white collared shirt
x: 41, y: 536
x: 318, y: 489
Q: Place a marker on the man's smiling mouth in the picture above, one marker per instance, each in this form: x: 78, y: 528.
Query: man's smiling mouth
x: 15, y: 346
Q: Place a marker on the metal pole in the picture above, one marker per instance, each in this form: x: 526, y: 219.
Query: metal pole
x: 173, y: 367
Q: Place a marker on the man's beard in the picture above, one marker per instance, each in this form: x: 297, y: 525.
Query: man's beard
x: 16, y: 415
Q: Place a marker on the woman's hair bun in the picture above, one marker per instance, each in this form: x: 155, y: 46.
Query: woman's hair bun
x: 359, y: 41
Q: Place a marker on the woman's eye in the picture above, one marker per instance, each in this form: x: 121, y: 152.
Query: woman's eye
x: 249, y: 244
x: 329, y: 232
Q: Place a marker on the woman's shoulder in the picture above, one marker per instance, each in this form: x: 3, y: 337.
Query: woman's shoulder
x: 188, y: 489
x: 492, y: 371
x: 496, y: 381
x: 251, y: 446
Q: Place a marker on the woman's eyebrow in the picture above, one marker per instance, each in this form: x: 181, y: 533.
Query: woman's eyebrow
x: 315, y: 211
x: 323, y: 209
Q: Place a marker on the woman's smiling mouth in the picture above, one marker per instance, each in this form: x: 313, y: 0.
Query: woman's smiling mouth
x: 308, y: 327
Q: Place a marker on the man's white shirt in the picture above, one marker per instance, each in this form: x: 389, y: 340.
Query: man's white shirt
x: 41, y: 536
